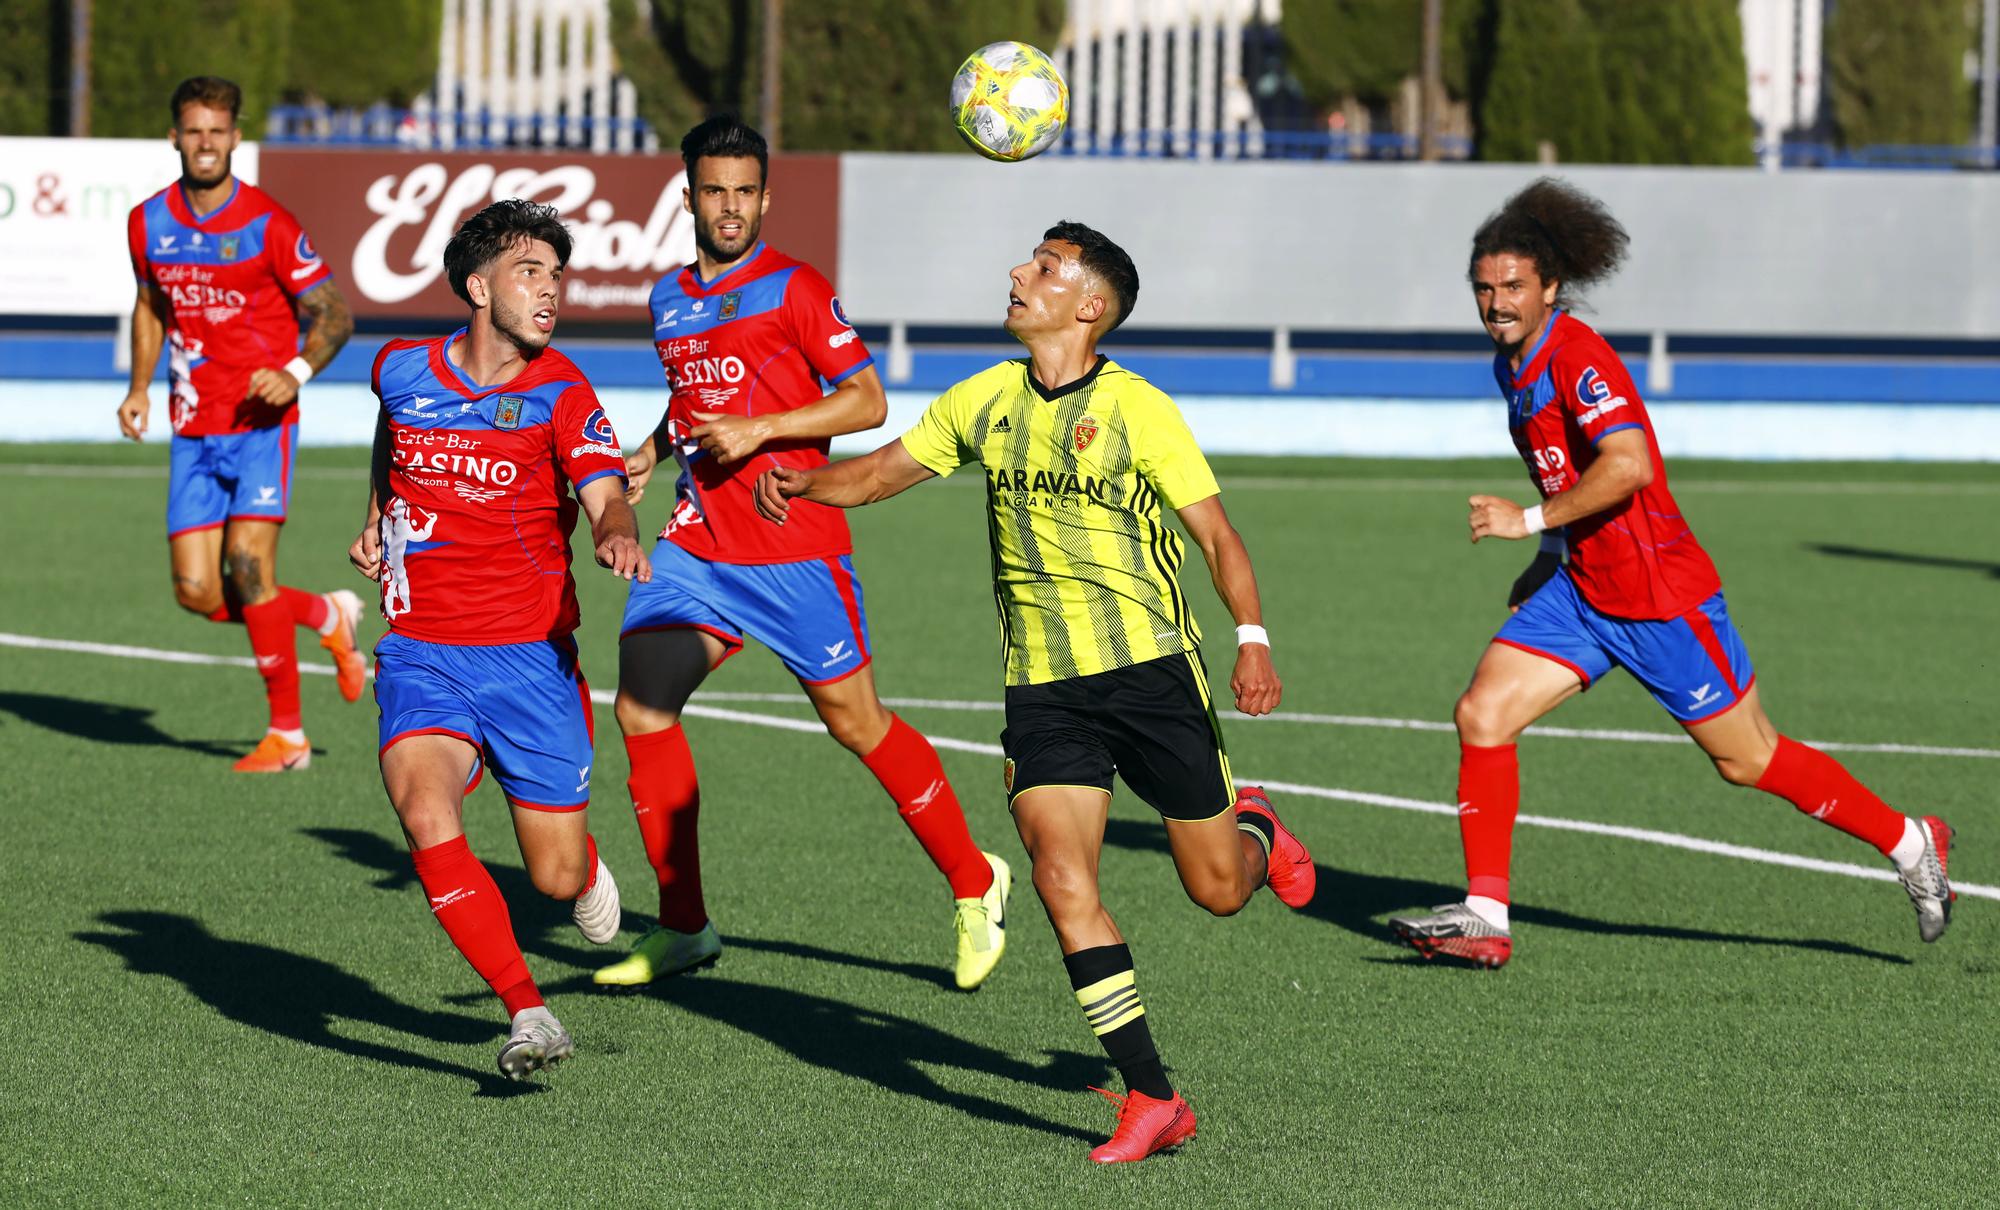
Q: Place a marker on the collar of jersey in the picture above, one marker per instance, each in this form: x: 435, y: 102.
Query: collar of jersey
x: 455, y: 378
x: 706, y: 288
x: 187, y: 207
x: 1048, y: 396
x: 1529, y: 369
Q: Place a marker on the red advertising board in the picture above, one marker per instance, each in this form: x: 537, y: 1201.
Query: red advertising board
x: 382, y: 219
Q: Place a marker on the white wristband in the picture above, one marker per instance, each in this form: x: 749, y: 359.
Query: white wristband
x: 1532, y: 518
x: 300, y: 369
x: 1554, y: 542
x: 1252, y: 634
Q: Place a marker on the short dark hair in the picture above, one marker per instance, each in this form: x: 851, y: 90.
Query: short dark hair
x: 1107, y: 260
x: 1570, y: 235
x: 725, y: 136
x: 212, y: 91
x: 507, y: 224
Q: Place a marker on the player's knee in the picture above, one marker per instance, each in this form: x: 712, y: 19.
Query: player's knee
x: 246, y: 575
x: 1481, y: 719
x: 637, y: 718
x: 197, y: 596
x: 558, y: 879
x: 1741, y: 770
x: 1066, y: 889
x: 858, y: 731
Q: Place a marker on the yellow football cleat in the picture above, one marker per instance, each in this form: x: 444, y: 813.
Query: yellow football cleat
x: 982, y: 927
x: 660, y: 953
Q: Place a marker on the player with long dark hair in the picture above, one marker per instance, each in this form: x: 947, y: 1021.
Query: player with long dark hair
x: 1619, y: 581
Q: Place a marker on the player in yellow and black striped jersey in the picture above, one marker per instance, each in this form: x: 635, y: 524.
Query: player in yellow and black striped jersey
x: 1082, y: 460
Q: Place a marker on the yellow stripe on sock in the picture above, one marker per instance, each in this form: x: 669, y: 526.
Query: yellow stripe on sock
x: 1110, y: 1003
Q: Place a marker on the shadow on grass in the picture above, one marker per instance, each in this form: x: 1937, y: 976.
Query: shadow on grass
x: 104, y: 723
x: 1353, y: 901
x: 889, y: 1051
x: 290, y: 995
x: 882, y: 1048
x: 1904, y: 557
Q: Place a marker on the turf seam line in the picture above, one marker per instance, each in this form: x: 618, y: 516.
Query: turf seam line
x: 1675, y: 840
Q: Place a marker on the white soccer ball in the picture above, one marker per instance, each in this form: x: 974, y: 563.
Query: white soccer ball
x: 1009, y: 101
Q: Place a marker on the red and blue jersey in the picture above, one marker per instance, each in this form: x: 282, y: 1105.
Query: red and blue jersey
x: 1639, y: 560
x: 475, y: 530
x: 768, y: 336
x: 230, y: 277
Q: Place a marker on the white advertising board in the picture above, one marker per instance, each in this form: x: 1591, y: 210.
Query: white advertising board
x: 63, y: 204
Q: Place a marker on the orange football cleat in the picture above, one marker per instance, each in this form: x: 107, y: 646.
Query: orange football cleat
x: 273, y: 755
x: 1291, y: 875
x: 350, y: 667
x: 1146, y: 1126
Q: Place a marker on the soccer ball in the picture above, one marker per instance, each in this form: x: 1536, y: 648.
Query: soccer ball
x: 1009, y: 101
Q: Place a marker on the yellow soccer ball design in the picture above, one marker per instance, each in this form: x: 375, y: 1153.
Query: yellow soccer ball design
x: 1009, y: 101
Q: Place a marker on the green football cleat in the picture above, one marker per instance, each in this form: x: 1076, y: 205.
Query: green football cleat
x: 660, y: 953
x: 982, y: 927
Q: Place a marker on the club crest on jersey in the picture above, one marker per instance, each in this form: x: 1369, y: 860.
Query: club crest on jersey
x: 729, y: 303
x: 1007, y: 774
x: 507, y: 413
x: 839, y: 314
x: 231, y: 244
x: 1083, y: 433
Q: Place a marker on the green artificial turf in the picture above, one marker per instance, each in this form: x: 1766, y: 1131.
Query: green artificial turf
x: 227, y: 990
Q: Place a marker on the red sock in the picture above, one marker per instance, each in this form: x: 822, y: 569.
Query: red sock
x: 589, y: 863
x: 907, y: 766
x: 667, y: 799
x: 309, y: 609
x: 277, y: 652
x: 1489, y: 797
x: 226, y: 612
x: 1822, y: 787
x: 475, y: 917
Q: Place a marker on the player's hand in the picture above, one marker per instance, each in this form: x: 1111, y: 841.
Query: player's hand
x: 133, y: 415
x: 639, y: 466
x: 1494, y: 517
x: 274, y: 387
x: 775, y: 489
x: 1530, y: 582
x: 366, y: 551
x: 1255, y: 682
x: 626, y: 558
x: 730, y: 438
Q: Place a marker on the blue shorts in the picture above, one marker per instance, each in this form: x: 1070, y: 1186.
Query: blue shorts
x: 525, y: 706
x: 230, y: 477
x: 808, y: 613
x: 1695, y: 665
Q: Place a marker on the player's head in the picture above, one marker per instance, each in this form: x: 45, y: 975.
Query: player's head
x: 1536, y: 253
x: 1076, y: 278
x: 204, y: 129
x: 506, y: 262
x: 727, y: 162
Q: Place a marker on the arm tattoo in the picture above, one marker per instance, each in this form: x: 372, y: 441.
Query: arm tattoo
x: 332, y: 323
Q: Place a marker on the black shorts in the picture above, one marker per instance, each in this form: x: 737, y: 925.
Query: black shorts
x: 1151, y: 723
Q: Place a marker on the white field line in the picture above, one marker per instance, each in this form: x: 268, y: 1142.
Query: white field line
x: 1756, y: 487
x: 1400, y: 724
x: 1674, y: 840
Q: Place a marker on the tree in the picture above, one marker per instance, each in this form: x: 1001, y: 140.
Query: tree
x: 1676, y: 87
x: 858, y: 74
x: 340, y: 54
x: 140, y: 50
x: 1544, y: 84
x: 32, y: 35
x: 1365, y: 49
x: 1896, y: 71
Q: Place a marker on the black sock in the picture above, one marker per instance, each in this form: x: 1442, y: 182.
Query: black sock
x: 1102, y: 978
x: 1258, y: 825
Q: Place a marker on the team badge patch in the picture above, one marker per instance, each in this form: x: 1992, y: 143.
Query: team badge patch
x: 507, y: 413
x: 1084, y: 432
x: 230, y: 245
x: 729, y: 302
x: 1007, y: 774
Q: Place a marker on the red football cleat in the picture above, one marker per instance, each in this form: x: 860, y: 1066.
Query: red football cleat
x: 1292, y: 876
x: 1145, y: 1127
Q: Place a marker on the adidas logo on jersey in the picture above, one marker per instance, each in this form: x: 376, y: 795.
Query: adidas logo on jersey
x: 1003, y: 426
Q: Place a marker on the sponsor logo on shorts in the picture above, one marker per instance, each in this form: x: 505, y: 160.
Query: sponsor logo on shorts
x: 583, y: 779
x: 1704, y: 697
x: 838, y: 653
x: 1007, y: 774
x: 267, y: 495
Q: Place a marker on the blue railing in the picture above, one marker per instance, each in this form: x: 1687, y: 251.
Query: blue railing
x: 383, y: 125
x: 1916, y: 156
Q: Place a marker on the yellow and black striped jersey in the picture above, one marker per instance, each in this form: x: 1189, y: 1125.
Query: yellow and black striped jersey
x: 1084, y: 562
